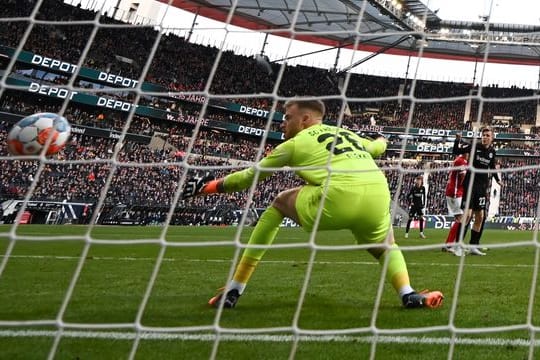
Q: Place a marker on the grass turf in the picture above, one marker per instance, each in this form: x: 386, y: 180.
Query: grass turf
x: 494, y: 292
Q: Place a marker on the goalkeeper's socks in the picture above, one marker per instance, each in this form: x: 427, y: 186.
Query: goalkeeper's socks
x: 264, y: 234
x: 396, y: 271
x: 244, y: 270
x: 404, y: 290
x: 238, y: 286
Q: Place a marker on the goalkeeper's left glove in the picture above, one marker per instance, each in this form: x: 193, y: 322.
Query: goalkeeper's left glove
x: 195, y: 185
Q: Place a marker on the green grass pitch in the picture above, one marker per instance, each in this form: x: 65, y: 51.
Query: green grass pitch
x: 495, y: 292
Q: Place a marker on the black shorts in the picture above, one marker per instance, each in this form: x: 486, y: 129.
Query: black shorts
x: 415, y: 212
x: 478, y: 199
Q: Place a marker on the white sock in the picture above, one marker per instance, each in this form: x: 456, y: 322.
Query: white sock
x: 407, y: 289
x: 238, y: 286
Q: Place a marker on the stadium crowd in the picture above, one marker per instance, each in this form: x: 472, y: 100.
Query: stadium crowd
x: 237, y: 74
x: 152, y: 187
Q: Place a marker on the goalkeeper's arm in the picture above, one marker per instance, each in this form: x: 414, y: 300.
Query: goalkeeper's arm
x: 374, y: 144
x: 377, y: 147
x: 243, y: 179
x: 236, y: 181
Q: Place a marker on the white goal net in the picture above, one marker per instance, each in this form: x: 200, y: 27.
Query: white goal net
x: 117, y: 264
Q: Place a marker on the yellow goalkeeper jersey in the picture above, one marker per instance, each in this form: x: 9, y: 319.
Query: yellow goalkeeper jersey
x: 348, y: 162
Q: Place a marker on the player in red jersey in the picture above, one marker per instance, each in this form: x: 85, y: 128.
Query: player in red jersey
x: 454, y: 196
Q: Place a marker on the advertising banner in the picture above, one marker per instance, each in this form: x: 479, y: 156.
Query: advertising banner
x: 116, y: 80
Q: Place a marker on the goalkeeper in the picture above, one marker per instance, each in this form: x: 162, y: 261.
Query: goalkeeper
x: 343, y: 177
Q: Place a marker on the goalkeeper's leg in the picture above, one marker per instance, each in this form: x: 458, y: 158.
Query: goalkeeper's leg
x: 307, y: 199
x: 373, y: 226
x: 264, y: 234
x: 398, y: 275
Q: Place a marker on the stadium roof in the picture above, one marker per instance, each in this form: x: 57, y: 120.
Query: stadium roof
x: 399, y: 27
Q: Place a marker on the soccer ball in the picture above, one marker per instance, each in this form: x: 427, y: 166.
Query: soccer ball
x: 29, y: 135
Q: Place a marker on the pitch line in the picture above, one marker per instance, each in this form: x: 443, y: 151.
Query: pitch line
x: 128, y: 258
x: 116, y: 335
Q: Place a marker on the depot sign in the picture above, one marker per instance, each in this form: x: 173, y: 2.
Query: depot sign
x: 435, y: 132
x: 259, y: 132
x: 251, y: 130
x: 438, y: 148
x: 114, y: 104
x: 51, y: 91
x: 117, y: 80
x: 53, y: 64
x: 253, y: 111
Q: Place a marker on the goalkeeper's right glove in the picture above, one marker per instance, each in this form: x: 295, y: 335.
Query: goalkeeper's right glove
x: 195, y: 185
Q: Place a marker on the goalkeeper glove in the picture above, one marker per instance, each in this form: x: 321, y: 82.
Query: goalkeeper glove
x: 195, y: 185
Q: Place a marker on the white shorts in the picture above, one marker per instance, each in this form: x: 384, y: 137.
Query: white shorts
x: 454, y: 206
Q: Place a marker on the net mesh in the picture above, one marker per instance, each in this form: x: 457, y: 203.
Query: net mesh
x: 83, y: 40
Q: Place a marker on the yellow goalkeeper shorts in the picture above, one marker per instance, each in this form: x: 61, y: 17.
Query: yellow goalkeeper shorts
x: 364, y: 209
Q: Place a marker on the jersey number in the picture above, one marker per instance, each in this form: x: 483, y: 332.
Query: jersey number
x: 343, y: 140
